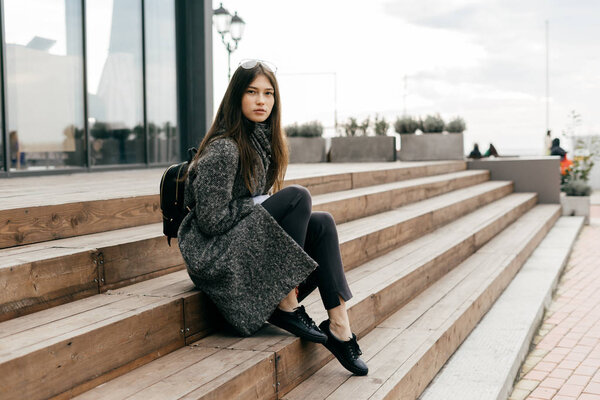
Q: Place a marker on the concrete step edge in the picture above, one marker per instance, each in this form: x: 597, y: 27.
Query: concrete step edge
x: 486, y: 364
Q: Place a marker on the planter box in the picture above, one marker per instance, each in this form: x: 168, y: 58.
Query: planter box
x: 431, y: 146
x: 576, y: 206
x: 363, y: 149
x: 306, y: 149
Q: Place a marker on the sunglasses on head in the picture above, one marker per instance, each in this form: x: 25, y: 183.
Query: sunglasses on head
x: 251, y: 63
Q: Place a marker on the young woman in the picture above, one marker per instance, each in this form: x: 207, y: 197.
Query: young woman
x: 257, y: 255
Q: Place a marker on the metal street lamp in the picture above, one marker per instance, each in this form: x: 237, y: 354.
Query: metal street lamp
x: 230, y: 26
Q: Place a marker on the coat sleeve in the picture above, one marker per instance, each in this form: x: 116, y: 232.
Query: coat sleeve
x: 216, y: 211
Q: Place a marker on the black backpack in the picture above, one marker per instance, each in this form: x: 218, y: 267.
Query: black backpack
x: 172, y: 187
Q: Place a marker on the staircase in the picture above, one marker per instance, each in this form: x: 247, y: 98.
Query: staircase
x: 94, y: 304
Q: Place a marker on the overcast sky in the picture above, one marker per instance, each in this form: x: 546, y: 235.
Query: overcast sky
x: 482, y: 60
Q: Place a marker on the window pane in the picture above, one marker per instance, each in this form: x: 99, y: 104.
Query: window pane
x: 161, y: 88
x: 44, y: 65
x: 114, y: 73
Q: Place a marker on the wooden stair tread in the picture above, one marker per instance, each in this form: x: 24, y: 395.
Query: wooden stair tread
x: 60, y: 189
x: 360, y: 226
x: 192, y: 371
x: 352, y: 204
x: 384, y: 187
x: 47, y: 274
x: 17, y: 342
x: 56, y: 248
x: 398, y: 344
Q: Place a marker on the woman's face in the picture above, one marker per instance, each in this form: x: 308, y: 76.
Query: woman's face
x: 258, y: 100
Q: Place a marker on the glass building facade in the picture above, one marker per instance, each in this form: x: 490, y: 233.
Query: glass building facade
x: 88, y: 84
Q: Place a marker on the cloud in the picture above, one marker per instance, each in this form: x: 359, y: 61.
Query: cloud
x: 481, y: 59
x: 435, y: 13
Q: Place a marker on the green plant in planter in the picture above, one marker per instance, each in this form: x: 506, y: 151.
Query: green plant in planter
x: 364, y: 126
x: 582, y: 165
x: 381, y: 126
x: 433, y: 124
x: 576, y: 188
x: 308, y: 129
x: 292, y: 130
x: 406, y: 125
x: 350, y: 127
x: 457, y: 125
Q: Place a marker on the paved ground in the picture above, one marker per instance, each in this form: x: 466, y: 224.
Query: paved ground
x: 564, y: 363
x: 595, y: 197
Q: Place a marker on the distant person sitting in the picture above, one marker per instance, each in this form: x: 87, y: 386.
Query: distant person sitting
x: 491, y: 152
x: 475, y: 153
x: 556, y: 150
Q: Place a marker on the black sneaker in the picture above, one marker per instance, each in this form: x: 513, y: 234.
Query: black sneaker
x: 299, y: 323
x: 348, y: 353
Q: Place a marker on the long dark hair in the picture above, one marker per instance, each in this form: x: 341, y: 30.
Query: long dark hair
x: 229, y: 122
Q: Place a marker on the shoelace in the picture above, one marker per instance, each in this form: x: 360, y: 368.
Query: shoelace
x: 306, y: 320
x: 355, y: 351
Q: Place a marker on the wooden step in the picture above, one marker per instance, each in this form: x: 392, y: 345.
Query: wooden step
x: 405, y: 351
x: 376, y: 290
x: 46, y: 274
x: 365, y: 238
x: 198, y: 373
x: 358, y: 203
x: 319, y: 178
x: 98, y: 262
x: 72, y: 205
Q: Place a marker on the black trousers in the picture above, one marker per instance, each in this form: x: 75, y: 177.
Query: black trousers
x: 316, y: 233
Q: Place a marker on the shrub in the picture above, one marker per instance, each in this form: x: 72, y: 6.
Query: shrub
x: 350, y: 127
x: 381, y: 126
x: 292, y: 130
x: 576, y: 188
x: 457, y: 125
x: 308, y: 129
x: 433, y: 124
x: 582, y: 164
x: 406, y: 125
x: 363, y: 127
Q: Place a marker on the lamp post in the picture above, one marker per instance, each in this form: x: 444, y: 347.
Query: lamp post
x: 231, y: 29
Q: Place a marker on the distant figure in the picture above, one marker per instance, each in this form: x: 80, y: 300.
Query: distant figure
x: 556, y: 150
x: 475, y: 153
x: 547, y: 142
x: 491, y: 152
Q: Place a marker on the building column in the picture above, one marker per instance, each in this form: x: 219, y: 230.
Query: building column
x: 194, y: 71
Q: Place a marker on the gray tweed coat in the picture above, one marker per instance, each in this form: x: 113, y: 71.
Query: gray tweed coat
x: 234, y: 249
